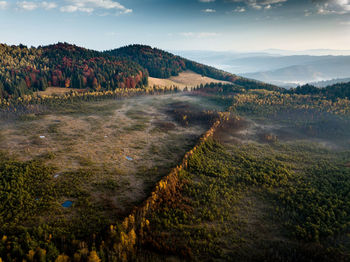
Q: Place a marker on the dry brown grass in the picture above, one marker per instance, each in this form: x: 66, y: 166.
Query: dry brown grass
x: 98, y: 136
x: 57, y: 91
x: 184, y: 79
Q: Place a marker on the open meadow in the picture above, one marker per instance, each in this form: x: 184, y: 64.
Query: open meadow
x: 185, y: 79
x: 103, y: 158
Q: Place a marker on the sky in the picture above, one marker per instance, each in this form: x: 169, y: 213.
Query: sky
x: 219, y: 25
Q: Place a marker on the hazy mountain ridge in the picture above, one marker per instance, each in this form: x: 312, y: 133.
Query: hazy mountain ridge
x: 283, y: 70
x: 318, y: 69
x: 330, y: 82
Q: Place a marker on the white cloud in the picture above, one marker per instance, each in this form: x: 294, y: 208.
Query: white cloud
x: 239, y: 9
x: 27, y: 6
x: 206, y: 1
x: 89, y: 6
x: 307, y: 12
x: 260, y: 4
x: 199, y: 35
x: 30, y: 5
x: 209, y: 10
x: 48, y: 6
x: 70, y: 6
x: 3, y: 5
x: 333, y: 7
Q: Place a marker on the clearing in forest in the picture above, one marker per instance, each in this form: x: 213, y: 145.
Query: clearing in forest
x: 184, y: 79
x: 106, y: 155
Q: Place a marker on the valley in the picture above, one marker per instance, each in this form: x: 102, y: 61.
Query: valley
x: 98, y: 163
x: 113, y: 152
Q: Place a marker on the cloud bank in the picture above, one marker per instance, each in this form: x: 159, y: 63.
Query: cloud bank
x: 71, y: 6
x: 326, y: 7
x: 3, y: 5
x: 260, y: 4
x: 89, y: 6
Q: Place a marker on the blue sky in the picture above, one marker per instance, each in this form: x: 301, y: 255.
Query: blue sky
x: 238, y: 25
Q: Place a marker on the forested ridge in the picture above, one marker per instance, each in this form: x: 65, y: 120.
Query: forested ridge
x: 24, y: 70
x: 163, y: 64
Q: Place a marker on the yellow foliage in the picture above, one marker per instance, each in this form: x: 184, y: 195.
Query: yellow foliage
x: 132, y: 237
x: 30, y: 255
x: 93, y: 257
x: 126, y: 223
x: 77, y: 257
x: 4, y: 238
x: 62, y: 258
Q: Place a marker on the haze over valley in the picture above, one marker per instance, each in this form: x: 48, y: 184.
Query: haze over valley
x: 278, y: 67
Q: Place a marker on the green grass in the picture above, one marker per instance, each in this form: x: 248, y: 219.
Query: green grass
x: 140, y: 126
x: 136, y: 114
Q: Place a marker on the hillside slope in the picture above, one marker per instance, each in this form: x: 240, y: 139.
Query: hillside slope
x: 184, y: 79
x: 24, y: 70
x: 162, y: 64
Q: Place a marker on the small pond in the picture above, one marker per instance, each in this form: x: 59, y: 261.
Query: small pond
x: 67, y: 203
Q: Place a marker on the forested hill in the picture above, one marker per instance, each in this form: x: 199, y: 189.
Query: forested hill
x: 24, y: 70
x: 163, y: 64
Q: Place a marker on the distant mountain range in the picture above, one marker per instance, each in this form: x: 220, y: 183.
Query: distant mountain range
x: 330, y: 82
x: 282, y: 70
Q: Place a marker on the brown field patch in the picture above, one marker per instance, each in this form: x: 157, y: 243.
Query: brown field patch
x: 184, y: 79
x: 100, y: 138
x: 58, y: 91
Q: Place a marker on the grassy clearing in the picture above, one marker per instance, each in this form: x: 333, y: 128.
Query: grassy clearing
x: 57, y: 91
x: 184, y: 79
x: 85, y: 146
